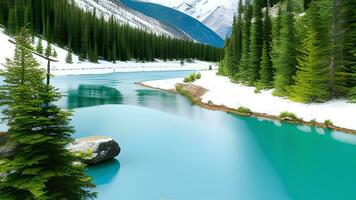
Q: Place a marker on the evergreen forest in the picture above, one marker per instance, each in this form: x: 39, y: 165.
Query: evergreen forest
x: 93, y: 37
x: 304, y: 50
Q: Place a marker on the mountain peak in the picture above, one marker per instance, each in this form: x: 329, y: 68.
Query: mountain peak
x: 217, y: 15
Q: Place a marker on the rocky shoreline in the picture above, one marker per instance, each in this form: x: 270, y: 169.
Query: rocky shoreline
x: 195, y: 93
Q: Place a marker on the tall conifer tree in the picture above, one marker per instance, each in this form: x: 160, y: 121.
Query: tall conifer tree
x: 286, y: 63
x: 311, y: 80
x: 245, y: 58
x: 266, y: 71
x: 42, y: 167
x: 256, y: 42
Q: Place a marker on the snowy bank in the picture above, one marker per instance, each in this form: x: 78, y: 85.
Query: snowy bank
x: 221, y: 91
x: 84, y: 67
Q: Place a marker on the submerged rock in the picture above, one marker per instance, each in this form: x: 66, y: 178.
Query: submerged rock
x: 99, y: 148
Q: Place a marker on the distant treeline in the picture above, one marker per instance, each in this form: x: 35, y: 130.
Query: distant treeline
x: 92, y: 37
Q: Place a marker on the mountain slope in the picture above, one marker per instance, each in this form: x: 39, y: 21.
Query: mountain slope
x: 125, y: 15
x: 216, y: 14
x: 193, y: 27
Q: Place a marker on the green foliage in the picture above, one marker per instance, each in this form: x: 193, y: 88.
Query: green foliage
x: 343, y: 44
x: 285, y: 64
x: 48, y: 51
x: 352, y: 95
x: 69, y: 58
x: 64, y: 23
x: 266, y: 71
x: 311, y: 80
x: 180, y: 89
x: 328, y: 123
x: 39, y: 47
x: 221, y: 70
x: 181, y: 62
x: 244, y: 110
x: 191, y: 78
x: 307, y: 52
x: 288, y: 116
x: 42, y: 167
x: 54, y: 53
x: 256, y: 42
x: 242, y: 76
x: 233, y: 46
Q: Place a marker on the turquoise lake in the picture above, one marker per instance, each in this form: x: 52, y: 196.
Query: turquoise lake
x: 174, y: 150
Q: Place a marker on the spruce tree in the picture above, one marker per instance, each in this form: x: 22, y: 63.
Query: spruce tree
x: 42, y: 167
x: 227, y: 58
x: 285, y: 65
x: 245, y: 57
x: 11, y: 19
x: 39, y: 47
x: 48, y: 51
x: 276, y: 38
x: 231, y: 64
x: 352, y: 95
x: 256, y: 42
x: 266, y: 71
x: 345, y: 33
x: 239, y: 25
x: 69, y: 58
x: 311, y: 80
x: 54, y: 53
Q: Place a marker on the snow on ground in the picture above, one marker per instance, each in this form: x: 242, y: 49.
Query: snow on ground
x: 62, y: 68
x: 223, y: 92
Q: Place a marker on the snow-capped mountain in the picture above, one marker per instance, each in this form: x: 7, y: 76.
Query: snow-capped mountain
x: 216, y: 14
x: 123, y: 14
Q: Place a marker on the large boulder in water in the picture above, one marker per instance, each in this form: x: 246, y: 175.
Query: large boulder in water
x: 99, y: 148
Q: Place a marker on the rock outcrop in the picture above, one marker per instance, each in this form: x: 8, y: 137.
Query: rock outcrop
x: 95, y: 149
x: 98, y: 148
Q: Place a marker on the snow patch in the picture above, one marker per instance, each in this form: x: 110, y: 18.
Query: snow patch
x: 85, y: 67
x: 223, y: 92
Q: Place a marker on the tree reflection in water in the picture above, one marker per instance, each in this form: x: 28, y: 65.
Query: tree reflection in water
x: 93, y: 95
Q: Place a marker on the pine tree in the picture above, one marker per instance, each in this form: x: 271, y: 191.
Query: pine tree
x: 240, y: 25
x: 64, y: 23
x: 39, y: 47
x: 266, y: 71
x: 69, y: 58
x: 48, y: 51
x: 276, y: 38
x: 42, y: 167
x: 352, y: 95
x: 54, y: 53
x: 243, y: 75
x: 343, y: 37
x: 256, y: 42
x: 285, y: 66
x: 11, y: 22
x: 227, y: 58
x: 231, y: 65
x: 311, y: 80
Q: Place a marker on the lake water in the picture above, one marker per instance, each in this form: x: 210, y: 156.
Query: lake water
x: 173, y: 150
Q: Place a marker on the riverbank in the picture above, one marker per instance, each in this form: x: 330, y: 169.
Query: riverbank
x: 222, y: 94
